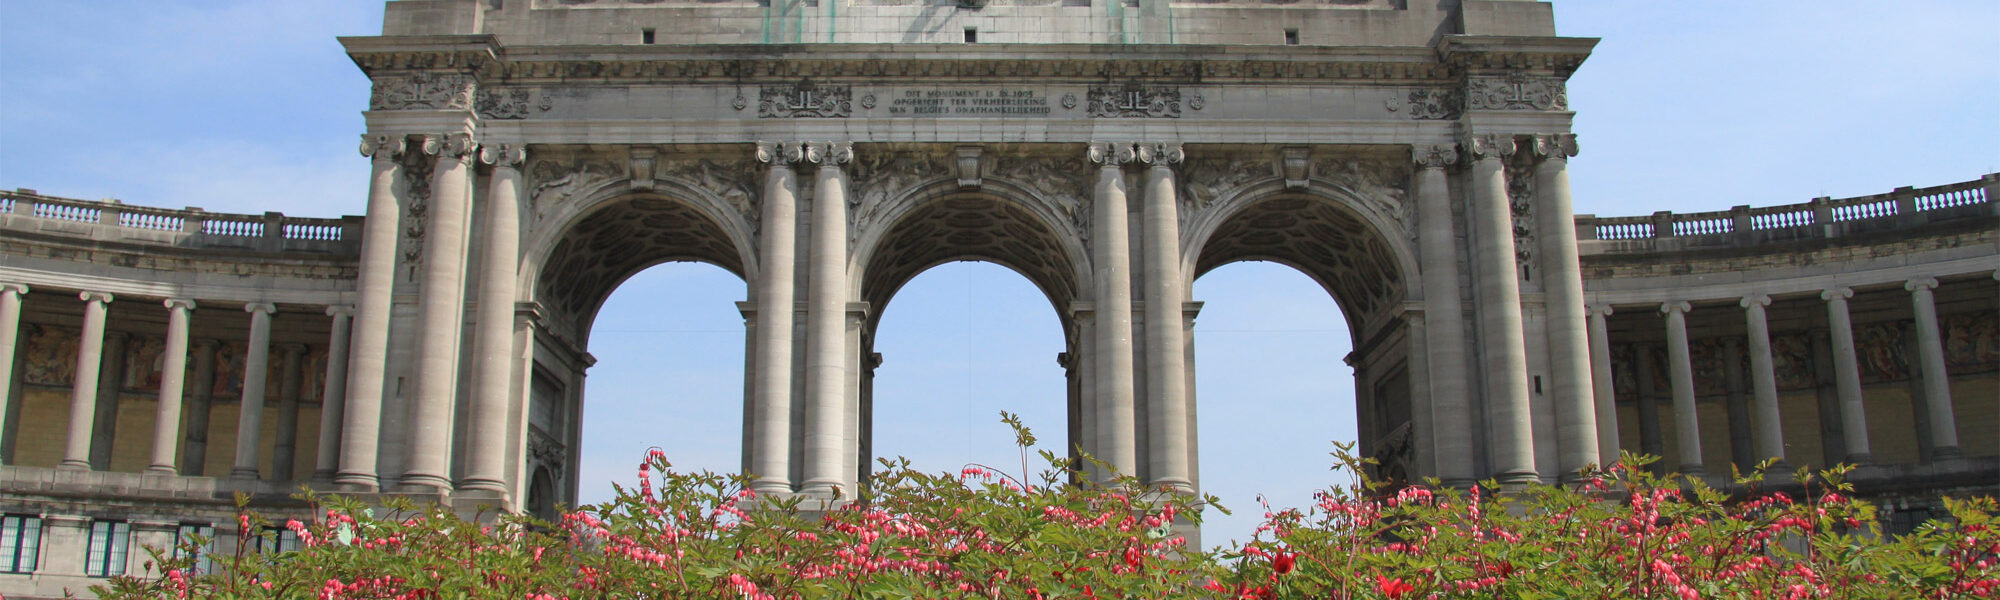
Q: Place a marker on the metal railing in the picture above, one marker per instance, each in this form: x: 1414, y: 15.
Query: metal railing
x: 270, y: 231
x: 1821, y: 217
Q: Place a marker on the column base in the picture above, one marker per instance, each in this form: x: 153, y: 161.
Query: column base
x: 167, y: 470
x: 73, y: 465
x: 423, y: 484
x: 1692, y: 470
x: 1518, y: 478
x: 487, y: 488
x: 1946, y: 453
x: 771, y: 487
x: 357, y: 482
x: 243, y: 473
x: 1861, y: 459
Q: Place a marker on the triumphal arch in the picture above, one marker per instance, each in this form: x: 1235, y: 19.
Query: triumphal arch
x: 1410, y: 157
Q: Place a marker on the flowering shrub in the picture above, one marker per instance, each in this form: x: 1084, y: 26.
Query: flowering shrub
x: 982, y: 533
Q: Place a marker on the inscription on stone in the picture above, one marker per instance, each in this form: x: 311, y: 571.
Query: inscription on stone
x: 967, y: 102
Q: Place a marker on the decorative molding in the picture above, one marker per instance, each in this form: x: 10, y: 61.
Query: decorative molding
x: 968, y: 166
x: 503, y: 155
x: 1205, y: 180
x: 1489, y: 145
x: 1060, y: 183
x: 1377, y: 184
x: 1111, y: 153
x: 779, y: 153
x: 510, y: 103
x: 879, y: 176
x: 829, y: 154
x: 423, y: 90
x: 732, y: 181
x: 556, y: 178
x: 1294, y: 163
x: 1135, y: 100
x: 1516, y: 91
x: 1161, y: 154
x: 641, y: 166
x: 805, y: 99
x: 451, y: 146
x: 1521, y: 207
x: 416, y: 214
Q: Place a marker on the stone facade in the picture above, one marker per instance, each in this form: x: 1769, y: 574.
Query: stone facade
x: 528, y: 156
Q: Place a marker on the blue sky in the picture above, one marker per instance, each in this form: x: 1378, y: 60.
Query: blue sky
x: 249, y: 106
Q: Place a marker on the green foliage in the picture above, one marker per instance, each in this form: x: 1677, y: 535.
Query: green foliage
x: 981, y: 533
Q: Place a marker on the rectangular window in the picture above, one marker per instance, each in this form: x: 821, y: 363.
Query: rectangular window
x: 185, y: 536
x: 1291, y: 37
x: 277, y: 539
x: 972, y: 35
x: 20, y: 543
x: 646, y: 35
x: 108, y: 543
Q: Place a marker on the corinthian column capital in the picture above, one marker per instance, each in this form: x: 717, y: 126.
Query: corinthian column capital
x: 382, y: 146
x: 1434, y: 156
x: 503, y: 155
x: 1111, y: 153
x: 1555, y: 145
x: 1160, y: 154
x: 455, y: 146
x: 829, y: 154
x: 1489, y: 145
x: 779, y: 153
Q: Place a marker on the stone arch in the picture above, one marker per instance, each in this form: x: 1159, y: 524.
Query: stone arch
x: 1353, y: 242
x: 1001, y: 222
x: 603, y: 235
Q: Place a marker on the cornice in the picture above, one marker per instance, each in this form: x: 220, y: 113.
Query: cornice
x: 752, y: 63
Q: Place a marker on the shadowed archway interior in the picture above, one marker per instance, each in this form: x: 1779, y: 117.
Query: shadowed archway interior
x: 626, y: 236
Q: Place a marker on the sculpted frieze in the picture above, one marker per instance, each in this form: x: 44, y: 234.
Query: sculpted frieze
x: 416, y: 215
x: 1376, y: 183
x: 1971, y: 342
x: 805, y: 100
x: 1203, y: 180
x: 1516, y: 91
x: 881, y: 176
x: 1430, y: 104
x: 1061, y: 182
x: 420, y: 90
x: 511, y: 103
x: 557, y: 178
x: 1134, y: 100
x: 1521, y: 203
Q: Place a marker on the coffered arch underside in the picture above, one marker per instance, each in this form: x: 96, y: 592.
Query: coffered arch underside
x: 622, y: 236
x: 952, y: 226
x: 1351, y: 241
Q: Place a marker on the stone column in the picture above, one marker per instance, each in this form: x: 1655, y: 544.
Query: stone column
x: 1741, y: 454
x: 1562, y: 279
x: 826, y: 329
x: 361, y: 425
x: 1086, y: 374
x: 173, y: 374
x: 1603, y: 387
x: 1937, y: 383
x: 1647, y: 369
x: 10, y: 335
x: 1770, y: 438
x: 1503, y: 344
x: 1847, y: 376
x: 771, y: 434
x: 110, y: 381
x: 333, y: 399
x: 440, y: 314
x: 1680, y: 366
x: 493, y: 349
x: 1444, y: 317
x: 194, y: 455
x: 284, y: 451
x: 1111, y: 256
x: 83, y: 385
x: 250, y: 415
x: 1166, y: 340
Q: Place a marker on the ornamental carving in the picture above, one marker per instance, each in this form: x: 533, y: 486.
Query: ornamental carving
x: 1433, y: 104
x: 1624, y: 371
x: 511, y: 103
x: 1883, y: 352
x: 1971, y: 342
x: 805, y: 100
x: 441, y: 91
x: 557, y: 178
x: 1791, y: 362
x: 1516, y: 91
x: 1134, y: 100
x: 415, y: 215
x: 1521, y: 207
x: 1203, y: 180
x: 1376, y: 184
x: 727, y: 180
x: 1061, y: 183
x: 880, y: 176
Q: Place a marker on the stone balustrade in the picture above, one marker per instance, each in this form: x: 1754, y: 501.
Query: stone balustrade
x: 24, y: 210
x: 1820, y: 218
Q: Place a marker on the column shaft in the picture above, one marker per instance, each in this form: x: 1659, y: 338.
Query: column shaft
x: 1847, y: 376
x: 493, y: 345
x: 1166, y: 340
x: 285, y: 451
x: 1680, y: 366
x: 361, y: 427
x: 1444, y: 320
x: 1502, y: 341
x: 10, y: 335
x: 772, y: 428
x: 1764, y: 380
x: 1111, y: 259
x: 1562, y: 279
x: 333, y: 399
x: 83, y: 386
x: 1937, y: 382
x: 826, y: 316
x: 1603, y: 387
x: 440, y: 316
x: 250, y: 415
x: 173, y: 372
